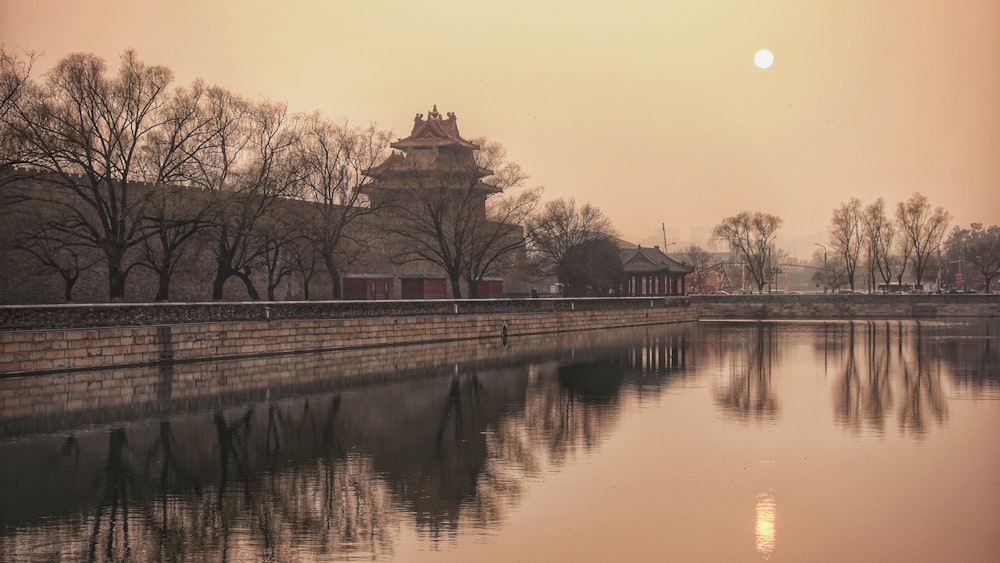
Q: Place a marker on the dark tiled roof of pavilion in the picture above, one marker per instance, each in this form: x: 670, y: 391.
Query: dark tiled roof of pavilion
x: 643, y: 259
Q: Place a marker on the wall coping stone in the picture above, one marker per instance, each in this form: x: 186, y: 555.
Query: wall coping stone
x: 755, y: 306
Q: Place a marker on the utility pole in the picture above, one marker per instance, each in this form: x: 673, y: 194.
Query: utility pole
x: 826, y: 272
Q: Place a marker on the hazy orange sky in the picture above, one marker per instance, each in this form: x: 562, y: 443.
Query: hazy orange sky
x: 652, y: 111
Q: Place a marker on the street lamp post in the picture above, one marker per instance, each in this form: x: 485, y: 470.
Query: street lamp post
x: 826, y: 274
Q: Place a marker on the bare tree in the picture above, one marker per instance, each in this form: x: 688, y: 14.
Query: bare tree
x: 978, y: 246
x: 881, y: 242
x: 561, y: 225
x: 591, y: 268
x: 174, y: 216
x: 253, y: 163
x: 498, y: 235
x: 279, y: 234
x: 880, y: 236
x: 85, y: 131
x: 336, y: 158
x: 14, y: 84
x: 306, y: 262
x: 846, y: 234
x: 923, y: 229
x: 41, y: 237
x: 441, y: 212
x: 701, y: 260
x: 171, y: 160
x: 751, y: 235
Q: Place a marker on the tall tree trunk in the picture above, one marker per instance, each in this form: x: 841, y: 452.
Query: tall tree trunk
x: 164, y: 271
x: 473, y: 289
x: 456, y: 285
x: 163, y: 291
x: 221, y: 275
x: 116, y: 280
x: 68, y: 289
x: 251, y: 290
x: 334, y: 273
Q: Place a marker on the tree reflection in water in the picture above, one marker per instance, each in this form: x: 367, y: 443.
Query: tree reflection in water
x: 748, y: 395
x: 338, y: 473
x: 335, y: 473
x: 898, y: 378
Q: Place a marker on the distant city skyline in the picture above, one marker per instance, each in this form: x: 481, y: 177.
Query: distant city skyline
x: 656, y: 114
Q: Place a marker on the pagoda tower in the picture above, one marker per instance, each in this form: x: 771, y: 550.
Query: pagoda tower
x: 433, y: 157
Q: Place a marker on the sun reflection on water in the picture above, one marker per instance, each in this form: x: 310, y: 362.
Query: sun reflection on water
x: 764, y: 530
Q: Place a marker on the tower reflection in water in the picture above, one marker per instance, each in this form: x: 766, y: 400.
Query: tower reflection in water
x: 764, y: 528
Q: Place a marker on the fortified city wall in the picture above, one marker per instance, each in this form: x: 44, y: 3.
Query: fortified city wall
x: 40, y: 339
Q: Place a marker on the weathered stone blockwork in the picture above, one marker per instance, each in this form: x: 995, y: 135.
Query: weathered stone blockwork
x: 36, y: 339
x: 845, y: 306
x: 27, y: 404
x: 33, y: 344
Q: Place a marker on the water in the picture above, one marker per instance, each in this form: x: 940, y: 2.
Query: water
x: 730, y: 441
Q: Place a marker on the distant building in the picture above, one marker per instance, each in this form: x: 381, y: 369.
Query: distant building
x: 367, y: 287
x: 424, y: 286
x: 649, y: 271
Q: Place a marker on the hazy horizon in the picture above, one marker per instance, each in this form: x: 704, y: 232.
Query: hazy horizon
x: 655, y: 114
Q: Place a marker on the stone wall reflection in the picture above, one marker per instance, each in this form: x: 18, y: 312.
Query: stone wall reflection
x: 326, y: 472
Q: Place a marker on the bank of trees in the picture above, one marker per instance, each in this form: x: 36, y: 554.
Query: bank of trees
x: 751, y: 235
x: 887, y: 248
x: 577, y: 245
x: 121, y: 170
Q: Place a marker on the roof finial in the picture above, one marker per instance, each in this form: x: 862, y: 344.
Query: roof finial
x: 434, y: 113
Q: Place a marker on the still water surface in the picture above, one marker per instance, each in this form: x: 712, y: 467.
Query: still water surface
x: 727, y: 441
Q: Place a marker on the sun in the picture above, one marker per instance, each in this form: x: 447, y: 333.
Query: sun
x: 763, y: 58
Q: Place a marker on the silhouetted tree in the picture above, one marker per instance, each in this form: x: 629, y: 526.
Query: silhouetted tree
x: 336, y: 158
x: 172, y: 160
x: 593, y: 267
x: 86, y: 130
x: 42, y: 237
x: 441, y: 212
x: 499, y: 235
x: 979, y: 247
x: 699, y: 259
x: 880, y: 235
x: 254, y: 164
x: 922, y: 229
x: 846, y: 235
x: 750, y: 235
x: 561, y: 225
x: 14, y: 86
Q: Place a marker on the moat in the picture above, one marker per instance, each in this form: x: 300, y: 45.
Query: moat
x: 830, y: 440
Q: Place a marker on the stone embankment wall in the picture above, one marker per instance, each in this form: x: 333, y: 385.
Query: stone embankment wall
x: 39, y: 339
x: 53, y: 401
x: 845, y: 306
x: 105, y: 336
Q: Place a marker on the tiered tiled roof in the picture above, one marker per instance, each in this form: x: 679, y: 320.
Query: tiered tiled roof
x: 434, y: 132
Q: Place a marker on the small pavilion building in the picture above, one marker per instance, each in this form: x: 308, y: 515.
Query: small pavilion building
x: 649, y: 271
